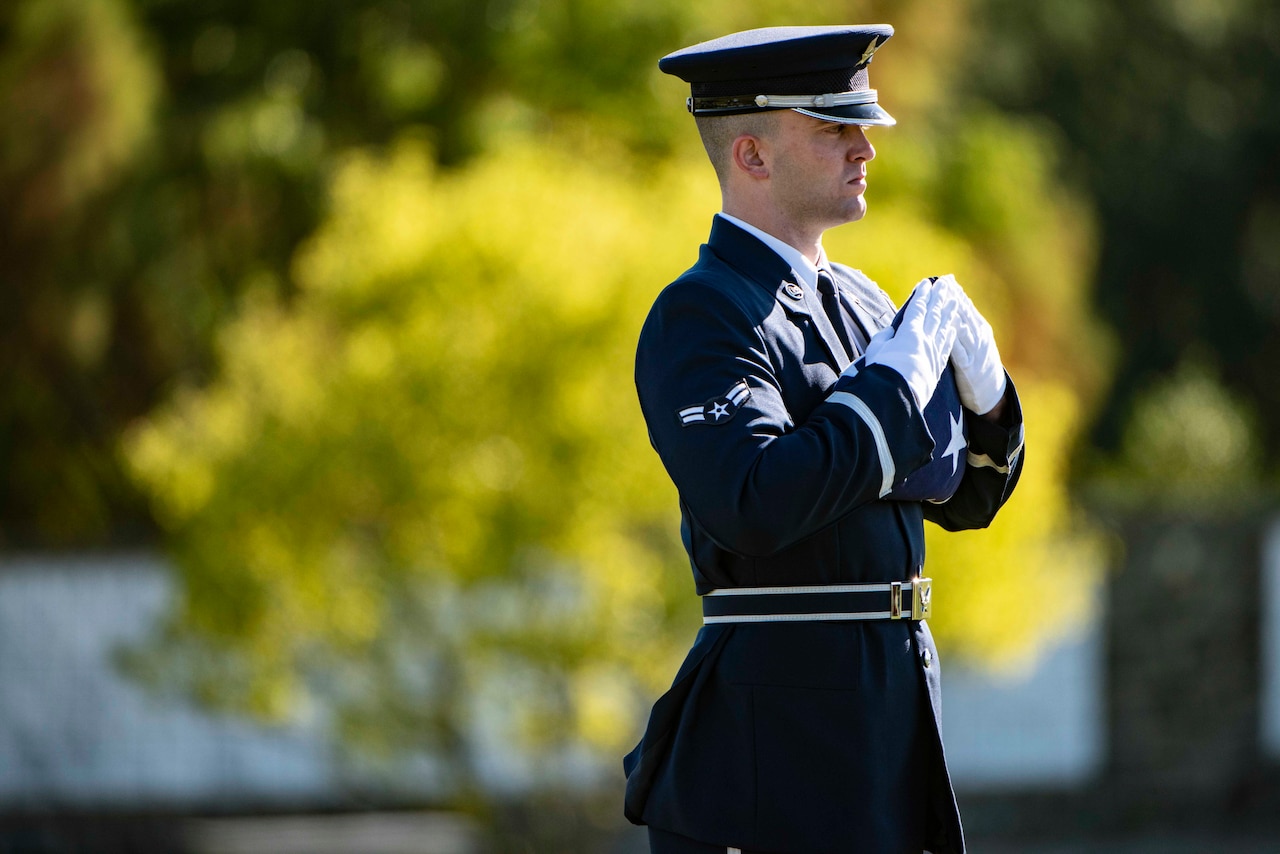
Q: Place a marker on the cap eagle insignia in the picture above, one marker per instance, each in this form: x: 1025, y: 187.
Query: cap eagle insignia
x: 871, y: 49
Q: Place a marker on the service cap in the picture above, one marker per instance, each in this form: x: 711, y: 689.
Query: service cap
x: 818, y: 71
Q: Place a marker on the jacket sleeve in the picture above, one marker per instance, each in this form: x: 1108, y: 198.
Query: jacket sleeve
x: 993, y: 466
x: 756, y: 476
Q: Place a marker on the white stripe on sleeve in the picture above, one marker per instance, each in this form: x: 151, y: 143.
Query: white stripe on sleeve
x: 864, y: 412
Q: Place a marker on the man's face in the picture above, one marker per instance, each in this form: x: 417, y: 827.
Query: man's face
x: 819, y: 170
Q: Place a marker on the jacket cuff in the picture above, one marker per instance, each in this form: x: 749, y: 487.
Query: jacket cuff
x: 997, y: 445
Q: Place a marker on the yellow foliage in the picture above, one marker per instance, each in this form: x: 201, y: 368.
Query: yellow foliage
x: 1003, y: 592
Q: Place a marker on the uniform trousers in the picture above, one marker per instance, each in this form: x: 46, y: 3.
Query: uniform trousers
x: 662, y: 842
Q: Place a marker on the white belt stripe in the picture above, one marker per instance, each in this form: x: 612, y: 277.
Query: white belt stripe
x: 877, y: 432
x: 798, y: 618
x: 870, y: 587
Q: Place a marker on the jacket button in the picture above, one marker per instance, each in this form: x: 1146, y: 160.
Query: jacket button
x: 927, y: 655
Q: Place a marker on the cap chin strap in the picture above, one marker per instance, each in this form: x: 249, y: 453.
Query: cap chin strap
x: 831, y: 99
x: 781, y: 102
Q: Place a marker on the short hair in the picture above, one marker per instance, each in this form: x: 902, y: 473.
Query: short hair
x: 719, y: 132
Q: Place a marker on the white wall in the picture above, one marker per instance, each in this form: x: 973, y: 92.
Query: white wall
x: 1269, y: 719
x: 1042, y: 726
x: 72, y: 730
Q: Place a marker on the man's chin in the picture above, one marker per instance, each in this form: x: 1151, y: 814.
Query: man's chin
x: 856, y: 212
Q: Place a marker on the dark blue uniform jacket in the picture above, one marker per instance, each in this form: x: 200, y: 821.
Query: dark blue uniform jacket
x: 802, y: 737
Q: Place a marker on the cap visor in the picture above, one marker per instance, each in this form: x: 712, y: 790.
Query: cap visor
x: 852, y: 114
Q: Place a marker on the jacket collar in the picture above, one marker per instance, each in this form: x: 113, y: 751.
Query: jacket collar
x: 751, y: 258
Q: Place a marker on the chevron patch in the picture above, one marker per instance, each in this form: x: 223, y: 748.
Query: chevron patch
x: 717, y: 410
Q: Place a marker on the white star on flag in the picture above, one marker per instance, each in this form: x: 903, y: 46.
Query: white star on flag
x: 957, y: 443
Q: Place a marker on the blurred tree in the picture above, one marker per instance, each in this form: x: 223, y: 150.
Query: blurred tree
x: 163, y: 156
x: 1189, y: 443
x: 425, y: 485
x: 76, y: 97
x: 1172, y: 112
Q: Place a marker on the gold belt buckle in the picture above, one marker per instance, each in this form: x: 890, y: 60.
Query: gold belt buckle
x: 921, y: 598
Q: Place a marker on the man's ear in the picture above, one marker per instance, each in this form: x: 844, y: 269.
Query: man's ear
x: 750, y: 155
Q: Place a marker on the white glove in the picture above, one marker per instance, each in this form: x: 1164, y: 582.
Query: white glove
x: 980, y: 376
x: 920, y: 347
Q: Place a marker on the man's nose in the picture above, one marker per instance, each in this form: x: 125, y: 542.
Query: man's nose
x: 862, y: 149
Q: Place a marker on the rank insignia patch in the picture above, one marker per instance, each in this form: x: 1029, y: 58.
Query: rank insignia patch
x: 717, y: 410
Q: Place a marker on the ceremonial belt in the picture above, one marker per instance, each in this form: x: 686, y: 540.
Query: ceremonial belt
x: 894, y: 600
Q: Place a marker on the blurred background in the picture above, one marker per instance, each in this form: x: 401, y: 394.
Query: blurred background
x: 328, y: 521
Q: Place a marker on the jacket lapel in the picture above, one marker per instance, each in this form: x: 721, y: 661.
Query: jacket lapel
x: 760, y: 264
x: 864, y: 301
x: 827, y: 332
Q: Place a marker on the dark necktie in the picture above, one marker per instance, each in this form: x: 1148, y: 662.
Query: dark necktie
x: 831, y: 305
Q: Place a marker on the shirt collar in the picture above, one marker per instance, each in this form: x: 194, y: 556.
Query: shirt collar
x: 804, y: 269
